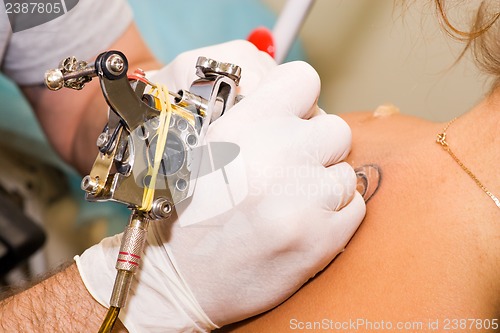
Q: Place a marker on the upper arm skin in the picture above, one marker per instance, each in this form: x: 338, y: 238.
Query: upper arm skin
x: 71, y: 119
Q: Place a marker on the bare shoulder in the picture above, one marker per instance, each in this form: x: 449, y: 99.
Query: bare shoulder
x: 427, y: 250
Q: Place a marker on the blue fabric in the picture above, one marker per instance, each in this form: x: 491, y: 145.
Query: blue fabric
x: 19, y: 127
x: 169, y: 28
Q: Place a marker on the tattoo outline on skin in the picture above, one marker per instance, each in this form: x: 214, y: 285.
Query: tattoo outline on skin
x: 368, y: 177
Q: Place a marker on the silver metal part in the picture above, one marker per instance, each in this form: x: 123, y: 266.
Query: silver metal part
x: 71, y: 73
x: 54, y: 79
x: 125, y: 100
x: 131, y: 249
x: 133, y: 241
x: 176, y: 160
x: 102, y: 139
x: 219, y: 91
x: 161, y: 209
x: 127, y: 145
x: 90, y: 185
x: 115, y: 64
x: 125, y: 166
x: 207, y: 67
x: 121, y: 288
x: 129, y: 140
x: 187, y: 99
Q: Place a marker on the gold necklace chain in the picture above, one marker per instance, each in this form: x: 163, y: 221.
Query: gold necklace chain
x: 441, y: 139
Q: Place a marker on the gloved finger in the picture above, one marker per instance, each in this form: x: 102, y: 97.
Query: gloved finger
x: 289, y: 89
x: 318, y: 112
x: 344, y: 223
x: 340, y: 186
x: 328, y: 138
x: 255, y: 64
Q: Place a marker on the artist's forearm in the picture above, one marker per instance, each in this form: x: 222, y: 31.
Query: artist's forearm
x: 60, y: 303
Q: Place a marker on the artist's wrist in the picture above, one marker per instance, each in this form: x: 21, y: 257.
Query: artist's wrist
x: 59, y: 303
x: 158, y: 297
x: 92, y: 307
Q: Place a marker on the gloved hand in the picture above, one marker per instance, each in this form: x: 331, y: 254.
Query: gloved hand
x: 296, y: 212
x: 255, y: 64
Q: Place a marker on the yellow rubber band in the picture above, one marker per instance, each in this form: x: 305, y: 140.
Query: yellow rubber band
x: 161, y: 92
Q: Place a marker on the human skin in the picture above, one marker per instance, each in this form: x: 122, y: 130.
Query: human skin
x: 60, y: 303
x: 428, y: 248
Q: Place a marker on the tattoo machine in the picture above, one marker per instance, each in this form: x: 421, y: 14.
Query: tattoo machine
x: 150, y: 149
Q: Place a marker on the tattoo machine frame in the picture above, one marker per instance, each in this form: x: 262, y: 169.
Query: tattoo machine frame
x: 150, y: 148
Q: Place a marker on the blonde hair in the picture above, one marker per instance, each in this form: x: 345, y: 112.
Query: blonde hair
x: 482, y: 37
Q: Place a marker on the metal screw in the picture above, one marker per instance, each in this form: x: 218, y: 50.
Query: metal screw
x: 166, y: 208
x: 182, y: 124
x: 102, y: 140
x: 161, y: 208
x: 191, y: 140
x: 154, y: 122
x: 90, y: 185
x: 181, y: 184
x: 115, y: 64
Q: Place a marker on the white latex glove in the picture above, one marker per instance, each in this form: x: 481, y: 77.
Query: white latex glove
x: 297, y: 212
x: 255, y: 64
